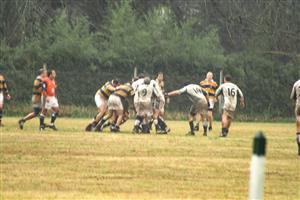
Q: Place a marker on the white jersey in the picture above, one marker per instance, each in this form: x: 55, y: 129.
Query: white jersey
x: 230, y: 92
x: 157, y: 90
x: 296, y: 92
x: 194, y: 92
x: 136, y: 83
x: 144, y: 93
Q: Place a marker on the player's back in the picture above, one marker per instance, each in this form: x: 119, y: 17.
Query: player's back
x: 2, y: 83
x: 296, y: 92
x: 230, y: 93
x: 194, y: 92
x: 145, y: 92
x: 136, y: 83
x: 50, y: 86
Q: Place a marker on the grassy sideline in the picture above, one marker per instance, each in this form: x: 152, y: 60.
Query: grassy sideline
x: 72, y: 164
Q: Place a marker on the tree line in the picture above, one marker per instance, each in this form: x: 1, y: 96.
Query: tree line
x: 92, y: 41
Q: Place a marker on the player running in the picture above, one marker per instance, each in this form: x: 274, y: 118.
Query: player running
x: 101, y: 98
x: 199, y: 99
x: 49, y: 101
x: 144, y: 107
x: 37, y: 90
x: 295, y: 95
x: 230, y: 91
x: 3, y: 94
x: 210, y: 87
x: 117, y: 104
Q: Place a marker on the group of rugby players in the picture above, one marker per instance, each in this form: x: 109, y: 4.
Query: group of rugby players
x: 149, y: 100
x: 43, y: 99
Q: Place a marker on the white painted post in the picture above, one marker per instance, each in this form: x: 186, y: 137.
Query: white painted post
x: 135, y: 72
x: 256, y: 183
x: 221, y: 99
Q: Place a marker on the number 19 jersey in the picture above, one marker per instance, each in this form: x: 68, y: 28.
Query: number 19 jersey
x: 230, y: 92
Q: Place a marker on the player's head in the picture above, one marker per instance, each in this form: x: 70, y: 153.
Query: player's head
x: 115, y: 82
x: 42, y: 72
x: 227, y: 78
x: 141, y: 75
x: 209, y: 76
x: 147, y: 80
x: 160, y: 76
x: 52, y: 74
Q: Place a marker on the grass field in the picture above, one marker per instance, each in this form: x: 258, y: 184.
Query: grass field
x: 72, y: 164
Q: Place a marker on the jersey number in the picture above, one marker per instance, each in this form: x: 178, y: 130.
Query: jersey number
x: 231, y: 92
x: 197, y: 90
x: 144, y: 92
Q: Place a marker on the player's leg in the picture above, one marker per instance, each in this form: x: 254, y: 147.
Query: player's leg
x: 42, y: 118
x: 54, y: 116
x: 161, y: 120
x: 204, y: 118
x: 100, y: 124
x: 210, y: 113
x: 1, y: 107
x: 192, y: 117
x: 224, y: 124
x: 36, y: 112
x: 145, y: 125
x: 116, y: 128
x: 298, y: 127
x: 227, y: 117
x: 198, y: 120
x: 138, y: 119
x: 55, y: 108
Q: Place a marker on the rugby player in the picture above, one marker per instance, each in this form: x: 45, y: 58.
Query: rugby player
x: 210, y: 87
x: 117, y: 103
x: 3, y: 94
x: 295, y: 95
x: 37, y: 90
x: 144, y: 108
x: 230, y: 92
x: 199, y: 99
x: 101, y: 98
x: 49, y: 101
x: 159, y: 105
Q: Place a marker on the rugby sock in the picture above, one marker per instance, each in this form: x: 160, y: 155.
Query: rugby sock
x: 224, y: 132
x: 298, y: 142
x: 1, y: 114
x: 191, y: 126
x: 161, y: 123
x: 155, y: 121
x: 138, y: 120
x: 53, y: 117
x: 42, y: 118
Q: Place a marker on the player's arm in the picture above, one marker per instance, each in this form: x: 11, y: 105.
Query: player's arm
x: 293, y: 94
x: 6, y: 93
x: 219, y: 92
x: 242, y: 99
x: 177, y: 92
x: 44, y: 94
x: 206, y: 96
x: 111, y: 88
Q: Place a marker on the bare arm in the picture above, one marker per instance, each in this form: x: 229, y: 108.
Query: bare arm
x: 174, y: 93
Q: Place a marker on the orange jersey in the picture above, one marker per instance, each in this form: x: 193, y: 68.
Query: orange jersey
x: 50, y: 87
x: 209, y: 86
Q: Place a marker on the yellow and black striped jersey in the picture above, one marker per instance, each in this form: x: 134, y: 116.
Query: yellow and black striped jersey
x: 209, y: 87
x: 124, y: 91
x: 106, y: 90
x: 3, y: 85
x: 37, y: 90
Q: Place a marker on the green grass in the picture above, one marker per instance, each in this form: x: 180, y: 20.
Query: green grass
x: 72, y: 164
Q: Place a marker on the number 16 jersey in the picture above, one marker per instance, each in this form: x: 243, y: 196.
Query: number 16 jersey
x: 230, y: 92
